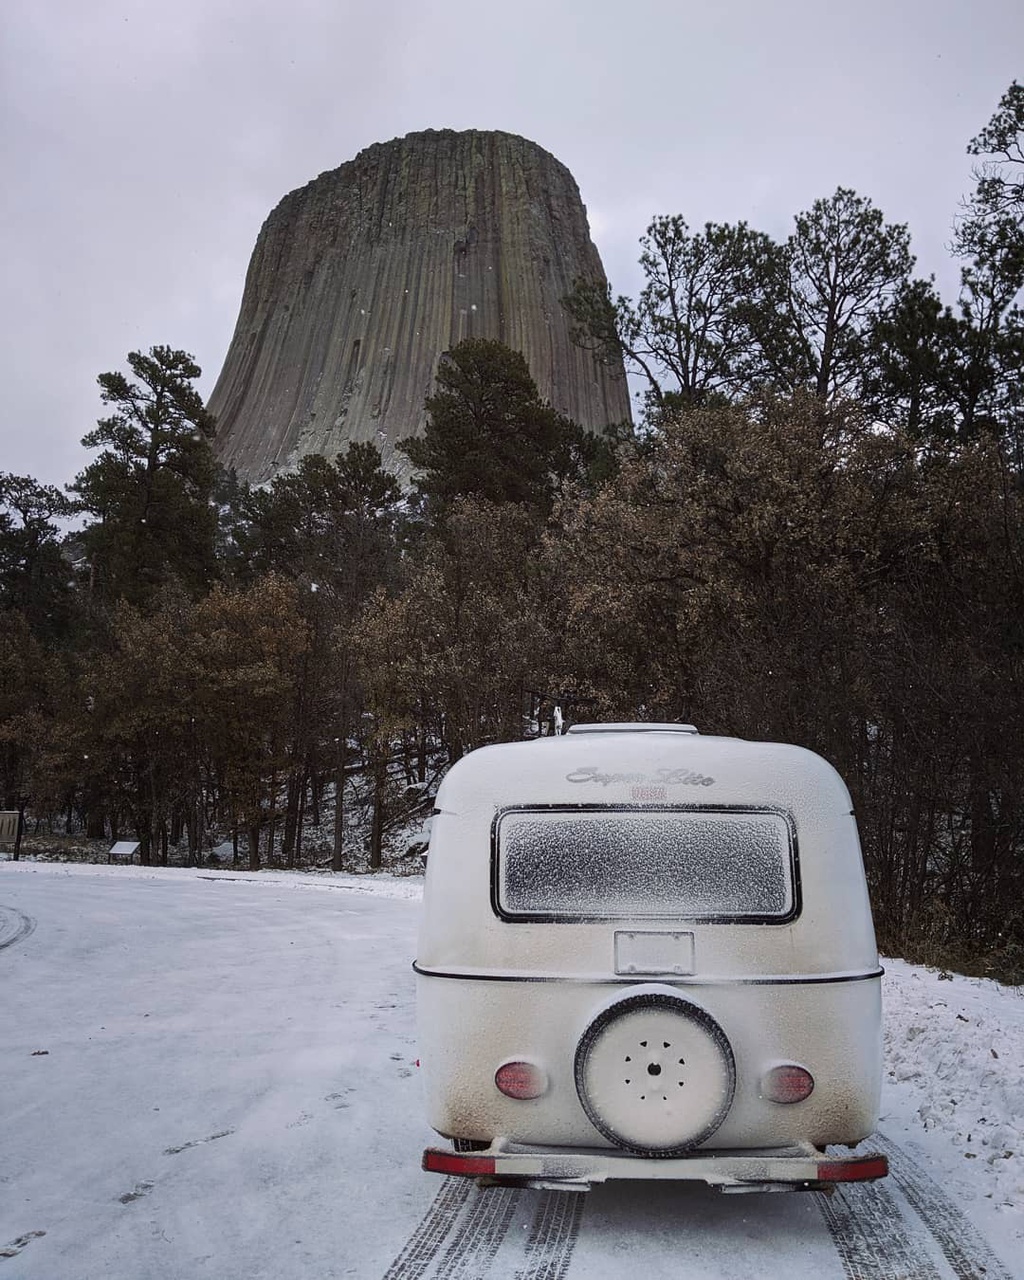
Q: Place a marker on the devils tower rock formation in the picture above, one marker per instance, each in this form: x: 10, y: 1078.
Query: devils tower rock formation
x: 361, y: 279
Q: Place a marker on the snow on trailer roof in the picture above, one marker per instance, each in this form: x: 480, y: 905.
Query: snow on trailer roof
x: 639, y: 726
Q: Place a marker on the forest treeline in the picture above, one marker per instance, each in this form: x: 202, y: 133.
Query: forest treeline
x: 814, y: 535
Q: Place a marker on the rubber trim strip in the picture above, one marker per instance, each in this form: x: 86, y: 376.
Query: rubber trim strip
x: 675, y: 980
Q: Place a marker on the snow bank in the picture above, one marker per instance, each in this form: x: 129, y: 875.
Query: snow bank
x: 954, y: 1058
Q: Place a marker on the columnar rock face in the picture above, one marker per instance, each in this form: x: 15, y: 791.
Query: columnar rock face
x: 363, y: 278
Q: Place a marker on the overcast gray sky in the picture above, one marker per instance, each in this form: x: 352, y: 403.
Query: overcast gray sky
x: 144, y: 142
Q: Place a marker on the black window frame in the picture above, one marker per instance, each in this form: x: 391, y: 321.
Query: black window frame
x: 554, y: 917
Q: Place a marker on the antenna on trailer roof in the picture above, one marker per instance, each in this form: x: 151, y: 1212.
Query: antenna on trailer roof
x: 548, y: 714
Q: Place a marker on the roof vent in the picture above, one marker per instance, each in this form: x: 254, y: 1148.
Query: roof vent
x: 638, y: 727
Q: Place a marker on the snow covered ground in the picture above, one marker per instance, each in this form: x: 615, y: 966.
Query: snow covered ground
x: 954, y: 1056
x: 213, y: 1074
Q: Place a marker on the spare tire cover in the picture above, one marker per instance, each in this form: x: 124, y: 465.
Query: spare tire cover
x: 655, y: 1074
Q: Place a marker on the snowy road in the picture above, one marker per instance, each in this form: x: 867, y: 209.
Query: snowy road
x: 210, y: 1078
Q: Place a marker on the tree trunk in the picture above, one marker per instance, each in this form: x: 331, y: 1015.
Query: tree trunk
x: 20, y: 831
x: 192, y: 829
x: 301, y: 815
x: 339, y: 805
x: 380, y: 775
x: 273, y: 818
x: 421, y: 755
x: 254, y: 846
x: 290, y: 819
x: 317, y: 788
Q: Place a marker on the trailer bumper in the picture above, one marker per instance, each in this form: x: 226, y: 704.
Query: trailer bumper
x: 802, y: 1168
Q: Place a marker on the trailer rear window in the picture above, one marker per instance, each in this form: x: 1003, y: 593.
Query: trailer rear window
x: 608, y: 864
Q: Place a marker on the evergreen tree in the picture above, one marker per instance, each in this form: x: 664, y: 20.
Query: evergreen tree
x: 841, y: 270
x: 727, y: 312
x: 34, y: 575
x: 326, y: 522
x: 328, y: 527
x: 689, y: 334
x: 30, y: 681
x: 489, y: 434
x: 990, y: 237
x: 953, y: 373
x: 150, y: 489
x: 250, y: 651
x: 465, y: 636
x: 137, y: 739
x: 1001, y: 145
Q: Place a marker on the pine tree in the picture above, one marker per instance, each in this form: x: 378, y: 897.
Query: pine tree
x: 150, y: 489
x: 990, y: 238
x: 842, y: 268
x: 489, y: 434
x: 328, y: 527
x: 34, y: 575
x: 689, y: 334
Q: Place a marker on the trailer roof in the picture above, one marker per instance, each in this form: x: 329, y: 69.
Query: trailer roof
x: 638, y: 726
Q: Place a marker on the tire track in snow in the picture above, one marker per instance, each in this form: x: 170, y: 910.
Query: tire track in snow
x: 435, y: 1225
x: 966, y: 1251
x: 462, y: 1232
x: 485, y: 1226
x: 14, y: 925
x: 871, y: 1237
x: 556, y: 1225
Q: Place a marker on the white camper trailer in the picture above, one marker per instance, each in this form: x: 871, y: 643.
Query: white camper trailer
x: 646, y: 953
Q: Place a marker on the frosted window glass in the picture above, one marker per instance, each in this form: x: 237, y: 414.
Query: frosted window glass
x: 648, y: 863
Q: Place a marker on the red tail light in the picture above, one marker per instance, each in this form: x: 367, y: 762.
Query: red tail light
x: 521, y: 1080
x: 862, y: 1169
x: 435, y: 1161
x: 788, y: 1083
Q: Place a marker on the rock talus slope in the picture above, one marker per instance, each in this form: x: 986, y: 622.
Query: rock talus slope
x: 362, y: 279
